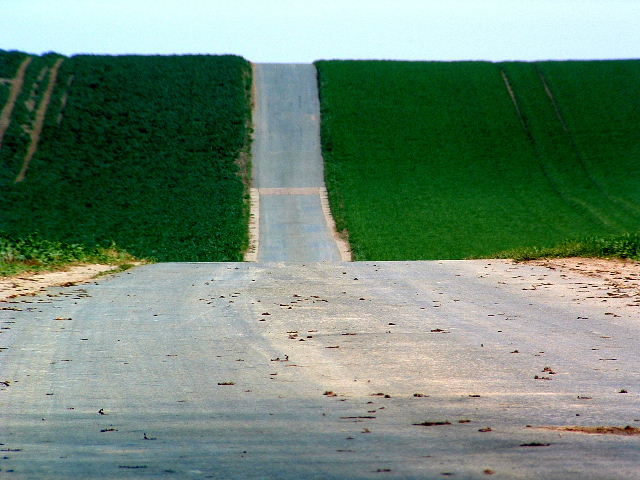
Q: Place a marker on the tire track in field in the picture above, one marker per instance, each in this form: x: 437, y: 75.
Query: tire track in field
x: 523, y: 120
x: 570, y: 200
x: 628, y: 206
x: 16, y: 88
x: 39, y: 121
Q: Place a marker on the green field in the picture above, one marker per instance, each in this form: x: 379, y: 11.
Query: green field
x: 142, y: 151
x: 436, y: 160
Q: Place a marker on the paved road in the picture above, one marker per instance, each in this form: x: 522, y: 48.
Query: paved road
x: 153, y: 348
x: 287, y: 166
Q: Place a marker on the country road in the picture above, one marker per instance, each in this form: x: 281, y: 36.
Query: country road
x: 314, y: 368
x: 287, y: 167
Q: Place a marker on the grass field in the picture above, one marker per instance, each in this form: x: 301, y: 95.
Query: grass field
x: 427, y: 160
x: 138, y: 150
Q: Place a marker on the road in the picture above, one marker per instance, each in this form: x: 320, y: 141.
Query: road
x: 153, y: 350
x: 288, y: 169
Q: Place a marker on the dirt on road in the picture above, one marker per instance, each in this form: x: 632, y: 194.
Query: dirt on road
x: 622, y: 277
x: 34, y: 283
x: 415, y: 369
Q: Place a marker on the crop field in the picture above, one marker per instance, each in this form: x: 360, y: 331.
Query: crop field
x: 437, y: 160
x: 140, y: 151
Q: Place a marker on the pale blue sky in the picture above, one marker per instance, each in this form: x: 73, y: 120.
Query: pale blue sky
x: 303, y: 31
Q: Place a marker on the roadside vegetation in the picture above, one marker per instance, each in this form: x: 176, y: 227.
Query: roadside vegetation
x: 625, y: 246
x: 437, y: 160
x: 137, y: 151
x: 35, y: 254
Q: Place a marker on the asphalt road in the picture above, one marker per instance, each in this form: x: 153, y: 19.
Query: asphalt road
x: 287, y: 166
x: 227, y: 368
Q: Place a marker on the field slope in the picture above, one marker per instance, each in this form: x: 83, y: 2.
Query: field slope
x: 431, y: 160
x: 138, y: 150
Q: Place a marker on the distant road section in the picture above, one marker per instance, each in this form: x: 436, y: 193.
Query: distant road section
x: 287, y: 168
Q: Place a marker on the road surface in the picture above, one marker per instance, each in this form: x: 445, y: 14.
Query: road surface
x: 288, y: 168
x: 252, y: 371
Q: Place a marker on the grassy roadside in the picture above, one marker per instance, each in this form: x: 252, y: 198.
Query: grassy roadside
x: 32, y: 253
x: 625, y: 246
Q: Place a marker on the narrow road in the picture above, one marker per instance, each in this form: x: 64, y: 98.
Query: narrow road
x: 288, y: 168
x: 253, y: 371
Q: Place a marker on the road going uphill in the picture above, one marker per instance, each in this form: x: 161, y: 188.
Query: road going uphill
x: 294, y: 219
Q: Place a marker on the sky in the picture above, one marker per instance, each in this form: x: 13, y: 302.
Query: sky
x: 308, y: 30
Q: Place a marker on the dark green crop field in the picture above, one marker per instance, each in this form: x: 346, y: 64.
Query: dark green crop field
x: 428, y: 160
x: 142, y: 151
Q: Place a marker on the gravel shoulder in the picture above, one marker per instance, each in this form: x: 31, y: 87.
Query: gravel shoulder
x: 34, y: 283
x: 622, y: 276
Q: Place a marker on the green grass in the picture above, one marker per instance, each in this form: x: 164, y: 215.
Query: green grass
x: 34, y: 254
x: 625, y: 246
x: 140, y: 151
x: 432, y: 160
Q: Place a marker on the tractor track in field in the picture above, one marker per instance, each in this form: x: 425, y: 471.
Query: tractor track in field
x: 41, y: 113
x: 570, y: 200
x: 621, y: 203
x: 16, y: 88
